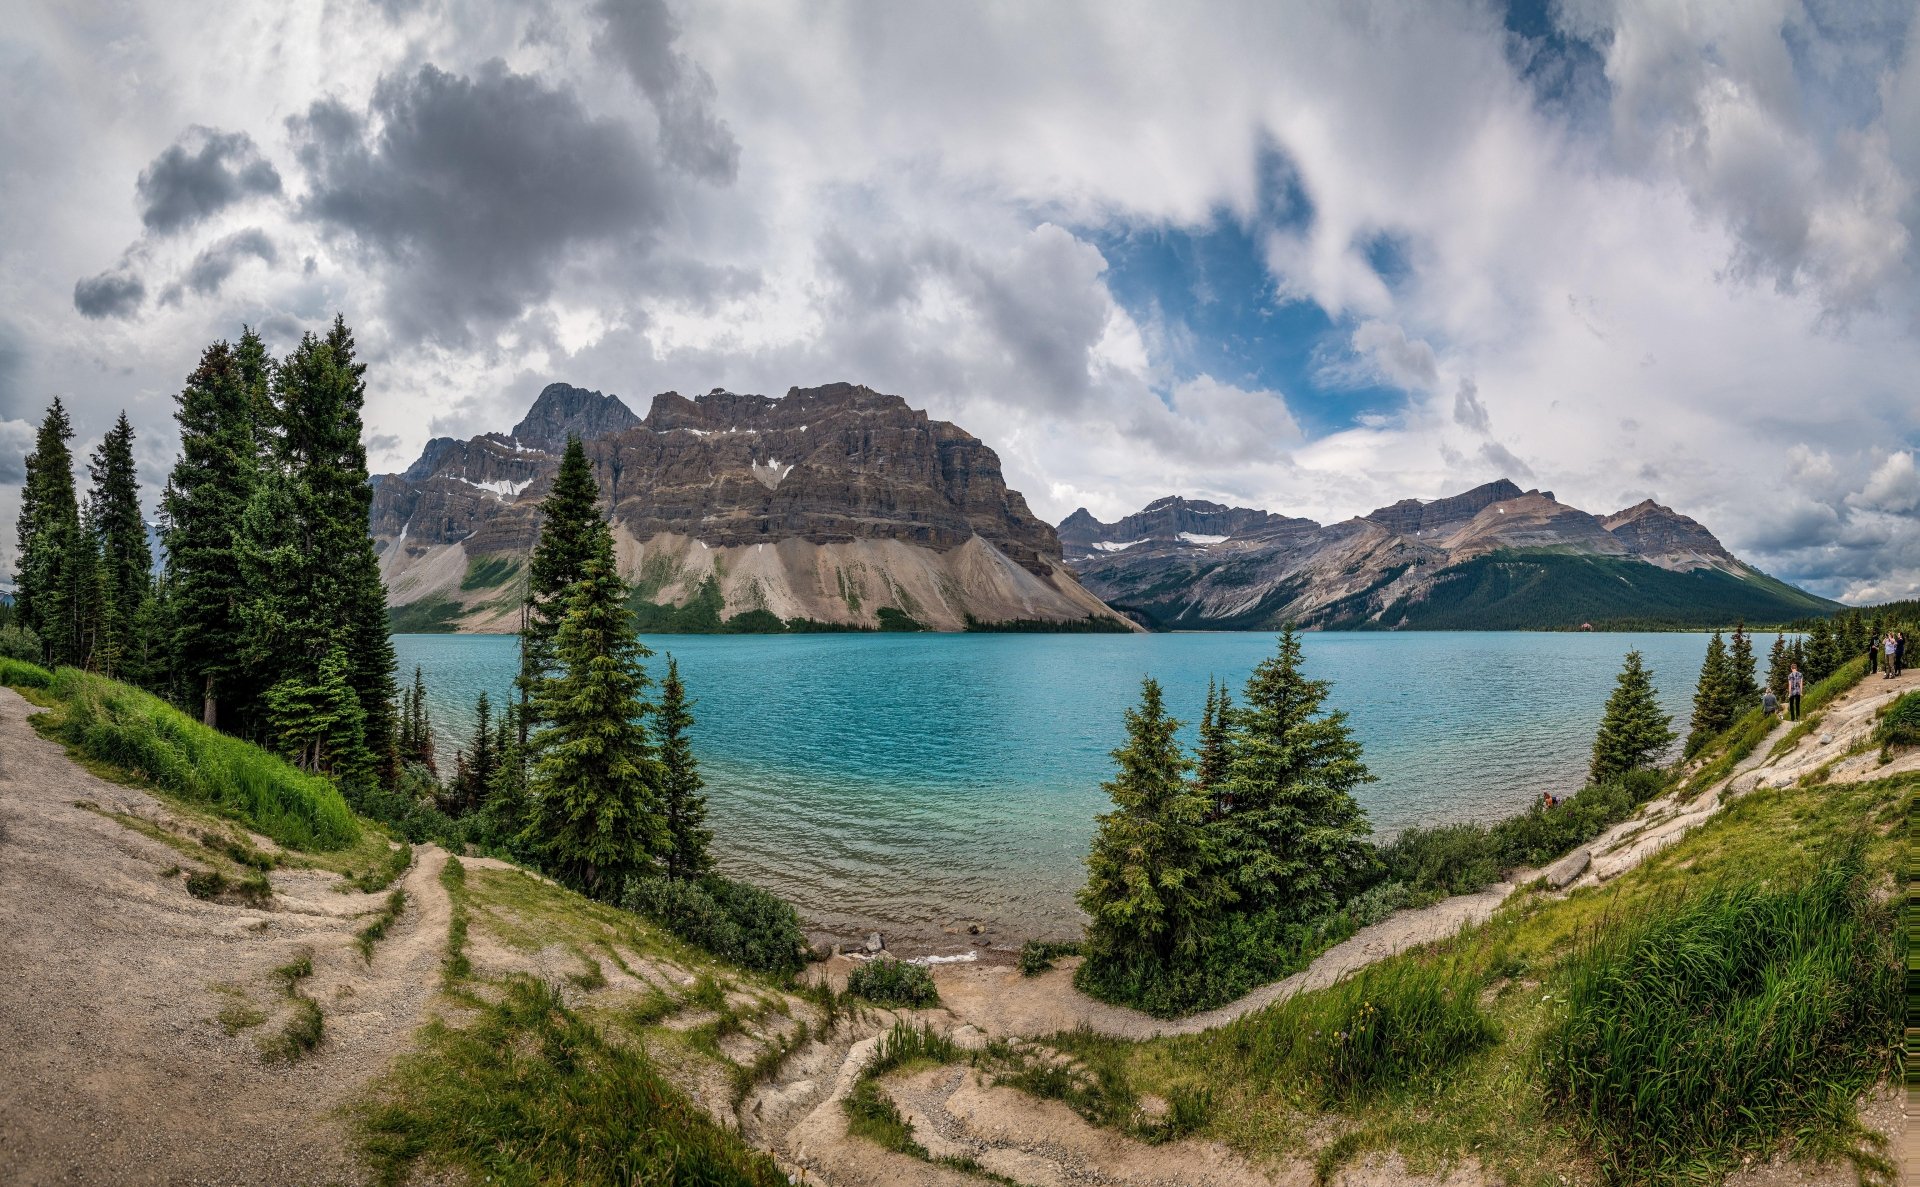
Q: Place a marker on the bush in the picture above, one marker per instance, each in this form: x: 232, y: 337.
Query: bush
x: 150, y: 739
x: 1037, y: 956
x: 1713, y: 1024
x: 885, y: 981
x: 18, y: 673
x: 19, y: 642
x: 1901, y: 724
x: 1393, y: 1025
x: 737, y: 922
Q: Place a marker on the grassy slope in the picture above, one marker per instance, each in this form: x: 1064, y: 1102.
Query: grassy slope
x: 1491, y: 1105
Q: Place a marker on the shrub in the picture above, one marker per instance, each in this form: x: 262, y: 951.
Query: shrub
x: 735, y: 921
x: 18, y: 673
x: 885, y: 981
x: 1714, y: 1023
x: 19, y: 642
x: 150, y: 739
x: 531, y: 1093
x: 1901, y: 724
x: 1037, y: 956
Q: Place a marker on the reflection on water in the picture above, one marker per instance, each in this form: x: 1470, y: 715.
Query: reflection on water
x: 907, y: 782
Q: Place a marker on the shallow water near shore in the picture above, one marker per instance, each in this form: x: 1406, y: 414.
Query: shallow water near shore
x: 913, y: 783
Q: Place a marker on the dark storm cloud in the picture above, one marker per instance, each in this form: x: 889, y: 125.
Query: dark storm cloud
x: 201, y: 174
x: 110, y: 294
x: 475, y: 189
x: 639, y: 35
x: 216, y: 262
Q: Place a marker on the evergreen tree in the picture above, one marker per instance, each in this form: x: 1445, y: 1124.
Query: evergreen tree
x: 113, y: 512
x: 416, y: 725
x: 1295, y: 837
x: 1633, y: 731
x: 319, y: 723
x: 1851, y: 636
x: 48, y: 531
x: 1777, y: 661
x: 1713, y: 697
x: 1150, y: 894
x: 570, y: 521
x: 505, y: 811
x: 1210, y: 771
x: 1822, y: 655
x: 1740, y: 666
x: 143, y: 661
x: 1797, y: 657
x: 684, y: 807
x: 206, y: 495
x: 70, y: 602
x: 477, y: 762
x: 595, y: 789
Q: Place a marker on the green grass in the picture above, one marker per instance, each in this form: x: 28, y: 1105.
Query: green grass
x: 1092, y: 624
x: 1900, y: 724
x: 378, y: 877
x: 18, y: 673
x: 885, y: 981
x: 153, y: 742
x: 456, y: 966
x: 871, y: 1113
x: 376, y: 930
x: 1815, y: 702
x: 1714, y: 1023
x: 532, y: 1094
x: 431, y: 615
x: 306, y: 1027
x: 1037, y: 956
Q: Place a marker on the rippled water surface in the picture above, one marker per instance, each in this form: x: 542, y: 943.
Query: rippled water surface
x: 907, y: 782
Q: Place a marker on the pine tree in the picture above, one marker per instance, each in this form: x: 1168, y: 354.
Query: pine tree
x: 319, y: 723
x: 1822, y: 656
x: 596, y: 782
x: 1777, y: 661
x: 113, y: 512
x: 1713, y: 697
x: 206, y: 495
x: 1633, y: 731
x: 570, y: 521
x: 477, y: 762
x: 683, y: 804
x: 1150, y: 894
x: 1210, y: 769
x: 143, y: 661
x: 416, y: 725
x: 1851, y: 636
x: 1740, y: 666
x: 1295, y: 836
x: 48, y: 531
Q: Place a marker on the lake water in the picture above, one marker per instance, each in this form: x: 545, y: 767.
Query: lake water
x: 915, y: 782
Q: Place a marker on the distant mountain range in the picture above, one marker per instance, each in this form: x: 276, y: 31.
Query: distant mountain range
x: 832, y: 507
x: 1494, y: 557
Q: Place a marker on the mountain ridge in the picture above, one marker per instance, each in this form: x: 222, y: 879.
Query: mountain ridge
x: 1494, y: 556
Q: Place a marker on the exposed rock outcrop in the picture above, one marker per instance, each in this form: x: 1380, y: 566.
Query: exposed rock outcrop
x: 832, y: 504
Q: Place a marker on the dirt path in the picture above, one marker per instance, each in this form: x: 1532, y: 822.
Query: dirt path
x: 113, y: 1065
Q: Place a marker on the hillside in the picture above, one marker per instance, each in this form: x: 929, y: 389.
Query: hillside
x: 833, y: 507
x: 1491, y: 558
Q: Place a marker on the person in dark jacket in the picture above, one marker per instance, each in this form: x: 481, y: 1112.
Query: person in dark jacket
x: 1796, y: 684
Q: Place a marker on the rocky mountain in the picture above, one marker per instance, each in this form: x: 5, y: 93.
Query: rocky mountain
x: 830, y: 507
x: 1494, y: 557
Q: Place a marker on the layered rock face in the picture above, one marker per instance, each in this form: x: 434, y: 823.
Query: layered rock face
x: 1495, y: 554
x: 830, y: 504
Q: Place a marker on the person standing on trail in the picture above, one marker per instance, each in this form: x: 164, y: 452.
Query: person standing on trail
x: 1796, y: 684
x: 1891, y: 646
x: 1873, y: 655
x: 1900, y: 653
x: 1769, y: 704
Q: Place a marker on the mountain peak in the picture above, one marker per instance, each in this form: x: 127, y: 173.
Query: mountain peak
x: 562, y: 410
x: 1410, y: 517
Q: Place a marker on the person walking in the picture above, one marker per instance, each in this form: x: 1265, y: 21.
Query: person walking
x: 1796, y: 684
x: 1873, y: 655
x: 1890, y: 647
x: 1769, y: 704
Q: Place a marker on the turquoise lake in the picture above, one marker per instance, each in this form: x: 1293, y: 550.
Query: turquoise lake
x: 915, y: 783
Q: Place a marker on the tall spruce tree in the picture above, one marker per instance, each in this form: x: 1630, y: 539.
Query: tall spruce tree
x: 1777, y: 661
x: 416, y: 724
x: 48, y: 531
x: 1295, y: 837
x: 1633, y: 731
x: 683, y: 805
x: 1741, y: 666
x: 1821, y: 655
x: 206, y: 495
x: 1713, y: 697
x: 319, y: 723
x: 126, y: 559
x: 595, y: 790
x: 478, y: 761
x: 1152, y: 890
x: 570, y: 522
x: 1210, y: 767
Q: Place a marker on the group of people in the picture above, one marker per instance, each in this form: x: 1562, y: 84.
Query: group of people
x: 1796, y: 684
x: 1887, y: 654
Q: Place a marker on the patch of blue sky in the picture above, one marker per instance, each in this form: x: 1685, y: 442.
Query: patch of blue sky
x: 1205, y: 294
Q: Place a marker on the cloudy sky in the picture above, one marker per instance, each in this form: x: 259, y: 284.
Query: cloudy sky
x: 1313, y: 257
